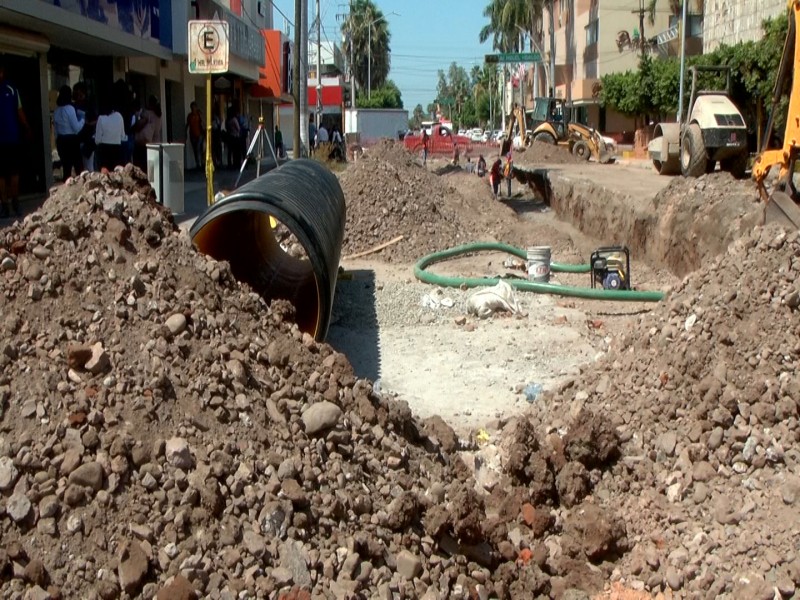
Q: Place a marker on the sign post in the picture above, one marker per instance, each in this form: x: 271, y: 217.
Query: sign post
x: 513, y: 57
x: 208, y: 53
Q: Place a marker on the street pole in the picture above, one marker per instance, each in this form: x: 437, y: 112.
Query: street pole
x: 319, y: 68
x: 209, y: 160
x: 304, y: 76
x: 552, y: 49
x: 641, y: 12
x: 296, y: 76
x: 369, y: 61
x: 683, y: 64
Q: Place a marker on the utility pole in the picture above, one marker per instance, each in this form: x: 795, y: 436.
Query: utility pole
x: 552, y: 48
x: 298, y: 39
x: 318, y: 120
x: 683, y: 65
x: 641, y: 12
x: 303, y: 27
x: 351, y: 58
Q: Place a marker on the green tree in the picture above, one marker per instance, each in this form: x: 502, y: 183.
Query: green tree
x: 365, y: 27
x: 417, y: 117
x: 510, y: 21
x: 653, y: 88
x: 622, y: 92
x: 386, y: 96
x: 453, y: 91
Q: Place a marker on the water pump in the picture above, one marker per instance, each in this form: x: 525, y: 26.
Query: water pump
x: 611, y: 268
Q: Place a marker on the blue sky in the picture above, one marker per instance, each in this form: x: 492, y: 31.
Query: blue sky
x: 427, y: 36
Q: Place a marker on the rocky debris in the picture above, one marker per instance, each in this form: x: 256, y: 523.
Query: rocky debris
x: 541, y: 153
x: 388, y: 193
x: 703, y: 396
x: 217, y: 445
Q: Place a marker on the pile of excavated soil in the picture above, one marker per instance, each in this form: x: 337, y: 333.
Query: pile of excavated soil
x: 389, y: 194
x: 705, y: 395
x: 539, y: 153
x: 165, y: 433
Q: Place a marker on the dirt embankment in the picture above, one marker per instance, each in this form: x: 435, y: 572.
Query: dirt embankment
x: 685, y: 224
x: 704, y: 393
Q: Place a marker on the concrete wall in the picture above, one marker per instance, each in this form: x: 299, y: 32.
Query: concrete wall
x: 732, y: 21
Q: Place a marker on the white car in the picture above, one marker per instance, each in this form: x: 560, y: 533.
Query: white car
x: 487, y: 135
x: 477, y: 135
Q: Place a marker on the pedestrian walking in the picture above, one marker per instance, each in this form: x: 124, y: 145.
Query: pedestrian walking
x: 13, y: 128
x: 67, y: 126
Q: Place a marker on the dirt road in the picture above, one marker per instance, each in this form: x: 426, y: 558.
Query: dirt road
x: 474, y: 374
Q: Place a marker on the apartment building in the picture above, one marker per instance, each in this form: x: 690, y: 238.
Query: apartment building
x: 597, y: 37
x: 732, y: 21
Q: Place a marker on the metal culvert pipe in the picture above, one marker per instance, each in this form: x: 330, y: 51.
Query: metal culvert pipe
x: 306, y: 197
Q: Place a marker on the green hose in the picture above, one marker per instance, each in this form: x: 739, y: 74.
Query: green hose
x: 523, y: 284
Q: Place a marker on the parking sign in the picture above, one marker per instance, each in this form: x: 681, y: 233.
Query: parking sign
x: 208, y: 47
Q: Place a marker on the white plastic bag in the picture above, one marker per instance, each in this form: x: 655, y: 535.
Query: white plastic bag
x: 487, y: 301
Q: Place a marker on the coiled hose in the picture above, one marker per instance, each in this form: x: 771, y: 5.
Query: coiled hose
x: 306, y: 197
x: 523, y: 284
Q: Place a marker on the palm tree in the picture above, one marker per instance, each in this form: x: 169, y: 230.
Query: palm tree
x: 366, y: 26
x: 510, y: 21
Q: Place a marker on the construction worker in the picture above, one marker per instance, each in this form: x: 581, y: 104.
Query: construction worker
x: 508, y: 169
x: 495, y: 173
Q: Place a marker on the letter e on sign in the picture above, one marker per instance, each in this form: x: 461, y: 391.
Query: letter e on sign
x: 209, y: 47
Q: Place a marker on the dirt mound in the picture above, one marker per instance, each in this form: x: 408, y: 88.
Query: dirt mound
x: 704, y: 395
x: 389, y: 194
x: 164, y: 431
x: 539, y: 153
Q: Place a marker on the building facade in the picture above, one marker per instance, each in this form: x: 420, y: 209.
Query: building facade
x: 732, y: 21
x: 46, y: 44
x: 596, y: 37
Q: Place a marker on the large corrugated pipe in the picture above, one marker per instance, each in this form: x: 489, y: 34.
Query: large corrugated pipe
x: 306, y: 197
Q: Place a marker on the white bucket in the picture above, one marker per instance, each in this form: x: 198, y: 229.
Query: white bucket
x: 539, y: 264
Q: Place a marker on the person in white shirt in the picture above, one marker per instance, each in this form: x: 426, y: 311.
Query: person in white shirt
x: 109, y: 135
x: 67, y: 126
x: 322, y: 134
x: 336, y: 137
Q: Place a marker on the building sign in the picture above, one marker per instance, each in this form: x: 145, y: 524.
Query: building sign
x: 208, y: 47
x: 137, y: 17
x: 245, y: 40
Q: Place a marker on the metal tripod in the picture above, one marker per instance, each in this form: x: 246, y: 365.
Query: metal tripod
x: 257, y: 146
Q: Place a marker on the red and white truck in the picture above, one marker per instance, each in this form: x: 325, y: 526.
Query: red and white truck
x: 440, y: 141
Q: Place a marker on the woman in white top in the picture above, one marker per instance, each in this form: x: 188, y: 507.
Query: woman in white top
x: 147, y: 130
x: 67, y: 126
x: 109, y: 135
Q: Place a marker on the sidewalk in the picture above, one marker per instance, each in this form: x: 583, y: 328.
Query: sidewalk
x: 194, y: 189
x: 194, y: 192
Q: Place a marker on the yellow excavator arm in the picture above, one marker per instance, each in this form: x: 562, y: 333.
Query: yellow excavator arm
x: 782, y: 203
x: 517, y: 118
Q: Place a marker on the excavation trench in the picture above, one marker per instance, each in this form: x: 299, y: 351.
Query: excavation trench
x: 304, y: 196
x: 678, y: 226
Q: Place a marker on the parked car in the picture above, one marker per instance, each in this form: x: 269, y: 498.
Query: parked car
x: 477, y: 135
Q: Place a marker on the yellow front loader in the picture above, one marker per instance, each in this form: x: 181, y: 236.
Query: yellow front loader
x: 555, y: 128
x: 781, y: 204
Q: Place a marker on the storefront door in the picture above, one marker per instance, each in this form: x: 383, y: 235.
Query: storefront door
x: 23, y: 73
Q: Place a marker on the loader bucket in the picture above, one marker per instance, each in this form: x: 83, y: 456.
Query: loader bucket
x: 783, y: 210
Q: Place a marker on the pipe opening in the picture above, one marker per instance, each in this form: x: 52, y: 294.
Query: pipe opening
x: 247, y: 241
x: 307, y: 202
